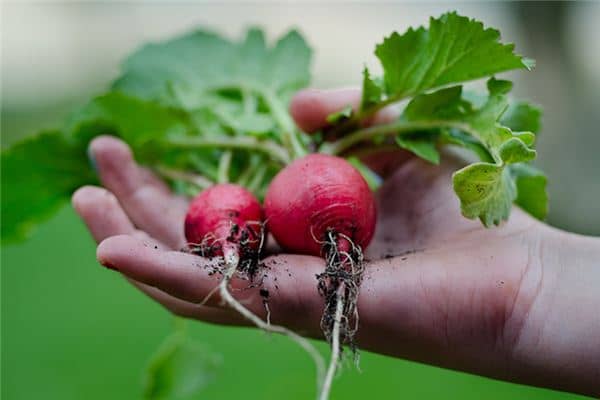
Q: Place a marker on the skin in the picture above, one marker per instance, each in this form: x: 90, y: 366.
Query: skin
x: 517, y: 303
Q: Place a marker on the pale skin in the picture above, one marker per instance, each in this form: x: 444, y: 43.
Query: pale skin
x: 518, y: 303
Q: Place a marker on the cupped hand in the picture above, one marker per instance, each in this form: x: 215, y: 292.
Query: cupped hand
x: 514, y: 302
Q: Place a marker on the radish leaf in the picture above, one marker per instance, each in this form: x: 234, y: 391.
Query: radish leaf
x: 531, y: 189
x: 454, y: 49
x: 180, y: 368
x: 38, y: 176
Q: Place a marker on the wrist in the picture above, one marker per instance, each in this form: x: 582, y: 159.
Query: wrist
x: 558, y: 344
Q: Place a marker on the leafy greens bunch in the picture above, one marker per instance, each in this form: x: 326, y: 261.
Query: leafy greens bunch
x: 200, y: 109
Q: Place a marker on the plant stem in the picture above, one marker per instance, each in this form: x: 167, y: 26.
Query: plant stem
x: 248, y: 100
x: 198, y: 180
x: 205, y: 167
x: 289, y: 135
x: 273, y: 150
x: 394, y: 128
x: 249, y: 170
x: 361, y: 115
x: 224, y: 164
x: 259, y: 175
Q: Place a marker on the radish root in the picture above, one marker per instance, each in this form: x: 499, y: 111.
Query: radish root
x: 231, y: 267
x: 335, y: 348
x: 339, y: 285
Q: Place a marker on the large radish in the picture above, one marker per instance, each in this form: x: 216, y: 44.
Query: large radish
x: 321, y: 205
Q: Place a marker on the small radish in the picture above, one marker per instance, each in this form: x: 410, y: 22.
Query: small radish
x: 321, y: 205
x: 227, y: 220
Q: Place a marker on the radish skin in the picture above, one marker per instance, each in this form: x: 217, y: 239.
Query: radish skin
x: 221, y: 216
x: 317, y: 193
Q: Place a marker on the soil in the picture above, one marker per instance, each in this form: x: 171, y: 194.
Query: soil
x: 250, y: 268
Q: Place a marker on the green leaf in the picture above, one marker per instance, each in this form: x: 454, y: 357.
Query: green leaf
x: 444, y: 104
x: 514, y: 151
x: 454, y: 49
x: 38, y: 176
x: 526, y: 137
x: 193, y: 60
x: 448, y: 107
x: 373, y: 180
x: 255, y: 124
x: 217, y: 80
x: 483, y: 122
x: 422, y: 145
x: 187, y: 70
x: 179, y: 369
x: 344, y: 113
x: 458, y: 138
x: 134, y: 120
x: 486, y: 191
x: 371, y: 90
x: 522, y: 116
x: 531, y: 189
x: 287, y: 65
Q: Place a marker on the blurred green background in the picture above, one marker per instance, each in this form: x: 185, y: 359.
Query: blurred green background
x: 72, y: 330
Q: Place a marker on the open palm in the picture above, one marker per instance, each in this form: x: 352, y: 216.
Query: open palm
x: 438, y: 288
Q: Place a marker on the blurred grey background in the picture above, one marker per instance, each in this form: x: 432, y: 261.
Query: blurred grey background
x: 56, y: 55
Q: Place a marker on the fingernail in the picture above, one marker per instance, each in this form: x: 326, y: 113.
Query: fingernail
x: 108, y: 265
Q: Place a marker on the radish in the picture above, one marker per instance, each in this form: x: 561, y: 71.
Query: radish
x: 321, y: 205
x: 226, y: 220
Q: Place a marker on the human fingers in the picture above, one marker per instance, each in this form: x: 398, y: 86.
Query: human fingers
x: 146, y: 199
x: 285, y: 288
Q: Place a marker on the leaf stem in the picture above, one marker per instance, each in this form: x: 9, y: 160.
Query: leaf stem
x: 224, y: 164
x: 361, y: 115
x: 394, y: 128
x: 268, y: 147
x: 256, y: 180
x: 290, y: 134
x: 248, y: 100
x: 198, y: 180
x: 249, y: 170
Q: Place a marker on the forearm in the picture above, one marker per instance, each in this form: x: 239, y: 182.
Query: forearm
x: 559, y: 343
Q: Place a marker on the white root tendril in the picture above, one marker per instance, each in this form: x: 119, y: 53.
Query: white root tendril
x: 339, y: 285
x: 335, y: 347
x: 232, y: 260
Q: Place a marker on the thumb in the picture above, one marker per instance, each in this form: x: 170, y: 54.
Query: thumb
x: 310, y: 108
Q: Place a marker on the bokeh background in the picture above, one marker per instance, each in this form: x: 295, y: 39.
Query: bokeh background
x: 72, y: 330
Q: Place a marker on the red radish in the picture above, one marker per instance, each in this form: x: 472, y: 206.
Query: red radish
x: 222, y: 218
x: 321, y: 205
x: 226, y: 220
x: 315, y: 194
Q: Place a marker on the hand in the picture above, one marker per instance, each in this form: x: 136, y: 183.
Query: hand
x: 518, y: 302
